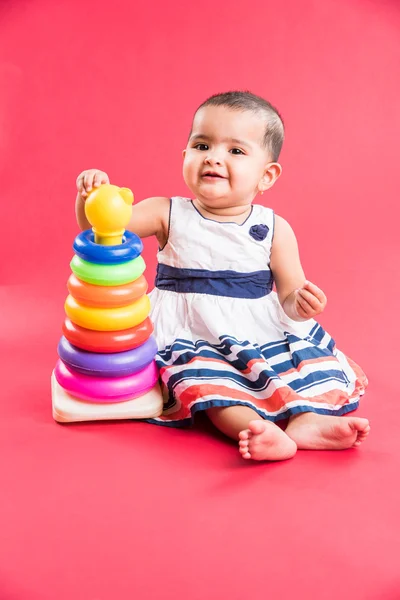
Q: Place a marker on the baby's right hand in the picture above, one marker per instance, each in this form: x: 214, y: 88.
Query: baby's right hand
x: 90, y: 179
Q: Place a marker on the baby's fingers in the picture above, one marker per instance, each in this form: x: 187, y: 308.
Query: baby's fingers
x: 303, y: 308
x: 316, y: 291
x: 88, y: 180
x: 80, y: 185
x: 312, y: 301
x: 100, y: 178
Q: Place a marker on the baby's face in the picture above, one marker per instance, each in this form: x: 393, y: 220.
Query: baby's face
x: 225, y: 160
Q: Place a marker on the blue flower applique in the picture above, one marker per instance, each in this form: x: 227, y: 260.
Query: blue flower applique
x: 259, y: 232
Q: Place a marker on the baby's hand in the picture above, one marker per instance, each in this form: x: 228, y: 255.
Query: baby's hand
x: 90, y: 179
x: 310, y: 301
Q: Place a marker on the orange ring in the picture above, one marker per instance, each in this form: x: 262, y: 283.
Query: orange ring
x: 106, y: 296
x: 107, y: 341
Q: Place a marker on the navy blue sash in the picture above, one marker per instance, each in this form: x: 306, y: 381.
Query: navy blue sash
x: 215, y: 283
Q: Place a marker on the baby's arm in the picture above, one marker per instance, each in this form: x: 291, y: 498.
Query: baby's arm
x: 300, y: 299
x: 149, y: 217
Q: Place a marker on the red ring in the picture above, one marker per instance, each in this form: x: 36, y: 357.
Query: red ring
x: 107, y: 341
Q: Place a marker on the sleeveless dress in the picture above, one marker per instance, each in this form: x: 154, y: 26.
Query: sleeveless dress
x: 223, y: 337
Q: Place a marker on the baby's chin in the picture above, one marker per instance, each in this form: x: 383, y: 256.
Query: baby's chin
x: 212, y: 198
x: 213, y: 190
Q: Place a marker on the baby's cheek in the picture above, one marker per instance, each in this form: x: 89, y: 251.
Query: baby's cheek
x: 187, y: 171
x: 190, y: 168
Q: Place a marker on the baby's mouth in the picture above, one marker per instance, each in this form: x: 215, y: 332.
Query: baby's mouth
x: 213, y: 175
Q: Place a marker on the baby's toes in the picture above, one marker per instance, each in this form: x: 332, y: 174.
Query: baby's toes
x: 244, y: 448
x: 245, y: 434
x: 363, y: 433
x: 245, y: 452
x: 254, y: 446
x: 361, y: 437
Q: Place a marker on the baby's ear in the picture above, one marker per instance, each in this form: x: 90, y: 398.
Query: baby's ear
x: 272, y: 172
x: 184, y: 153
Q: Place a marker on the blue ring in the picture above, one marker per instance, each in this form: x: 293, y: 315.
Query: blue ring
x: 86, y: 248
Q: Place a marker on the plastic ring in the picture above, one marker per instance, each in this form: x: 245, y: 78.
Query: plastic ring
x: 86, y: 248
x: 107, y: 319
x: 106, y: 296
x: 100, y: 389
x: 117, y: 364
x: 108, y: 274
x: 107, y: 341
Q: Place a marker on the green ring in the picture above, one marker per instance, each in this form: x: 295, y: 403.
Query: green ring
x: 108, y: 274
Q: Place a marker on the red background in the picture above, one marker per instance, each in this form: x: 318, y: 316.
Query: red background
x: 127, y: 510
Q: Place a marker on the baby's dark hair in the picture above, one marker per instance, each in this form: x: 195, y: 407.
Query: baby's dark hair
x: 242, y: 101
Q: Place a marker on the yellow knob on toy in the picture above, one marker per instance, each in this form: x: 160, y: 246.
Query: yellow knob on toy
x: 108, y: 209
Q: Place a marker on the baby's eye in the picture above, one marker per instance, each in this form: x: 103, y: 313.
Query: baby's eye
x: 202, y: 147
x: 236, y: 151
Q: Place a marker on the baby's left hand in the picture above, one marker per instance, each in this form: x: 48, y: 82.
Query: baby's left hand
x: 310, y: 301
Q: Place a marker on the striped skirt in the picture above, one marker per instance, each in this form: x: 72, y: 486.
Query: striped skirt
x: 279, y: 369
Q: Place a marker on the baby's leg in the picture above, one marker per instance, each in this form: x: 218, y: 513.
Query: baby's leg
x: 311, y: 431
x: 258, y: 439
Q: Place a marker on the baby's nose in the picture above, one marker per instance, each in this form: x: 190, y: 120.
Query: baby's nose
x: 212, y: 159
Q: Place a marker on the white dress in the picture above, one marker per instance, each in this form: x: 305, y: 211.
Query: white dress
x: 222, y: 335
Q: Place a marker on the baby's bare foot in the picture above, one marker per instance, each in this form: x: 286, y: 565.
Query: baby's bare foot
x: 311, y: 431
x: 265, y: 441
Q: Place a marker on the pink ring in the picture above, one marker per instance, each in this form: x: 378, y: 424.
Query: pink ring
x: 102, y: 389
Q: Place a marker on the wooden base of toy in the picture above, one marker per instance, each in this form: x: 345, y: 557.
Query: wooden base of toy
x: 67, y: 409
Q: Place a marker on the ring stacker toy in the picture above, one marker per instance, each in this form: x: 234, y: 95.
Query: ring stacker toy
x: 106, y: 368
